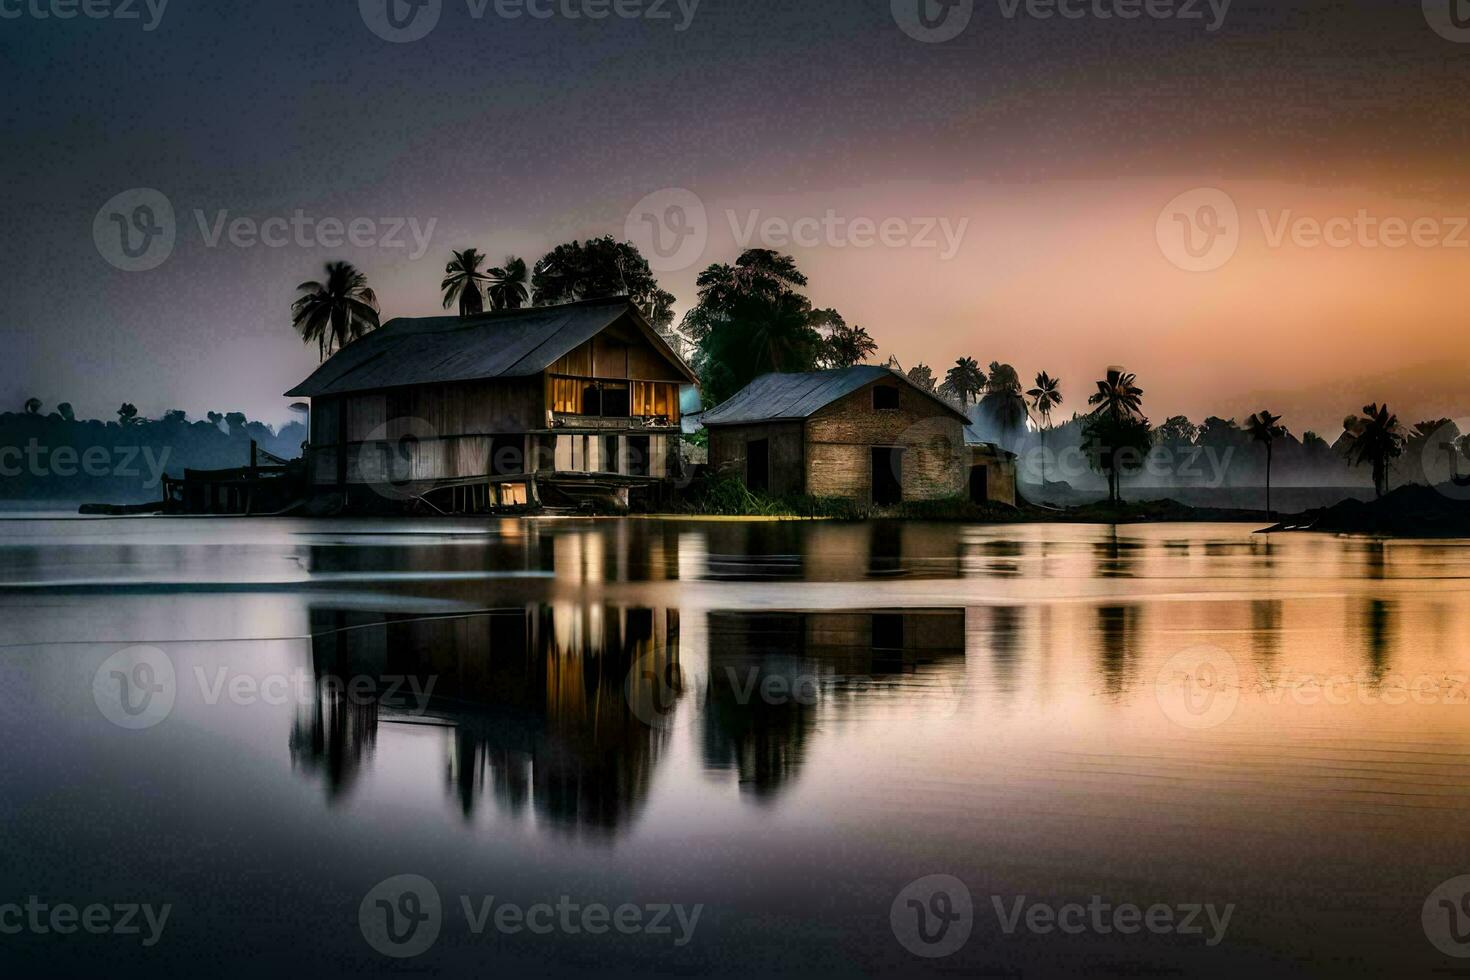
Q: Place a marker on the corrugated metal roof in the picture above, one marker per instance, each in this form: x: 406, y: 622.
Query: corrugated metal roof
x: 438, y: 349
x: 773, y: 397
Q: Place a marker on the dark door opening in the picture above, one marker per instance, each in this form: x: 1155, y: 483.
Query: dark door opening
x: 887, y: 631
x: 638, y: 453
x: 979, y: 484
x: 609, y: 455
x: 887, y: 476
x: 758, y: 465
x: 507, y: 455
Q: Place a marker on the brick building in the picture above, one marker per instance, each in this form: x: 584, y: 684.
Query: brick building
x: 866, y: 433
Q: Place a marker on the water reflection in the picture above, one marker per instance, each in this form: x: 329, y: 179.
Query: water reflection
x: 774, y: 676
x: 1045, y: 742
x: 531, y: 700
x: 827, y: 551
x: 1115, y: 628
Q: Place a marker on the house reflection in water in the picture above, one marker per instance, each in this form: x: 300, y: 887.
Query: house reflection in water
x: 825, y: 551
x: 773, y: 674
x: 531, y: 699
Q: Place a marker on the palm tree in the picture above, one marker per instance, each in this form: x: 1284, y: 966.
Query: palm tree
x: 1046, y: 396
x: 964, y: 381
x: 1378, y: 441
x: 1264, y: 428
x: 1003, y: 404
x: 1119, y: 400
x: 507, y: 289
x: 1117, y: 394
x: 462, y: 279
x: 921, y: 375
x: 336, y: 312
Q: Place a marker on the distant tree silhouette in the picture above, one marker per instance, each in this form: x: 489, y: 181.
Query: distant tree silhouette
x: 175, y: 415
x: 1117, y: 394
x: 337, y: 311
x: 964, y: 382
x: 1115, y: 445
x: 127, y: 414
x: 844, y: 345
x: 1377, y: 440
x: 1114, y: 430
x: 507, y: 289
x: 1264, y: 428
x: 921, y: 375
x: 33, y: 406
x: 597, y: 268
x: 750, y: 320
x: 462, y: 282
x: 1176, y: 430
x: 1003, y: 404
x: 66, y: 412
x: 1045, y: 397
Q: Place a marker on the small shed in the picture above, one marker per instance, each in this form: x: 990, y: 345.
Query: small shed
x: 867, y: 433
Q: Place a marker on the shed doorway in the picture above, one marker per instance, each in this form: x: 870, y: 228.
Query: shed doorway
x: 758, y: 465
x: 887, y: 481
x: 979, y: 484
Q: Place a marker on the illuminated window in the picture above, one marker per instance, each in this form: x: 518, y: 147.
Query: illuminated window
x: 653, y: 399
x: 566, y: 395
x: 614, y: 399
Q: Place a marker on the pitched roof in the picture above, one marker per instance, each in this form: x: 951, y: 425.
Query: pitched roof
x: 774, y: 397
x: 502, y: 344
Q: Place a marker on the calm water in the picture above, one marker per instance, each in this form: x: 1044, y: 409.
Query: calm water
x: 258, y: 722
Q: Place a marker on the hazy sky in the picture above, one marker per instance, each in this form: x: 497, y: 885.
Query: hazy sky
x: 1021, y: 174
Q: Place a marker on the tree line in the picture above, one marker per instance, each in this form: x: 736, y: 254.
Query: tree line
x: 55, y: 455
x: 752, y: 317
